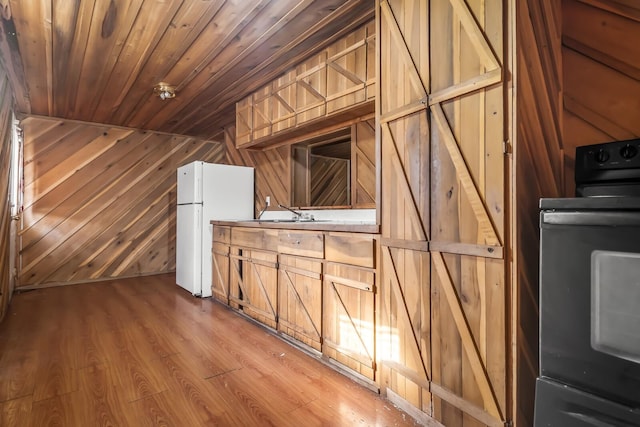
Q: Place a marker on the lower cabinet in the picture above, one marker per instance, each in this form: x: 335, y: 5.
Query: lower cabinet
x: 220, y: 263
x: 317, y: 288
x: 349, y: 317
x: 254, y: 284
x: 220, y: 274
x: 300, y: 299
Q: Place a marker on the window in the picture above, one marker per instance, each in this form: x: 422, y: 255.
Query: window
x: 15, y: 173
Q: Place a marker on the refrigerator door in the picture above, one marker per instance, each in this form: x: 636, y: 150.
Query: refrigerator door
x: 227, y: 192
x: 189, y: 248
x: 190, y: 183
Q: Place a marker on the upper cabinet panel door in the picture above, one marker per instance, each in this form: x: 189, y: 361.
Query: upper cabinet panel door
x: 311, y: 88
x: 347, y: 63
x: 244, y: 121
x: 283, y: 102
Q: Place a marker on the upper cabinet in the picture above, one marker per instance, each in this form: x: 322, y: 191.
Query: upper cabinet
x: 328, y: 89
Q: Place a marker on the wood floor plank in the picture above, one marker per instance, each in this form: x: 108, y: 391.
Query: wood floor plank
x: 162, y: 410
x: 138, y: 375
x: 60, y: 410
x: 263, y: 389
x: 17, y: 373
x: 103, y: 401
x: 195, y: 392
x: 16, y: 412
x: 55, y: 377
x: 251, y: 407
x: 142, y: 352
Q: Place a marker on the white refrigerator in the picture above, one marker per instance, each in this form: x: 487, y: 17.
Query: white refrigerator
x: 206, y: 192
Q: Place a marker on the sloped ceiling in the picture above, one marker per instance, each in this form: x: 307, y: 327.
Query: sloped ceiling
x: 98, y: 61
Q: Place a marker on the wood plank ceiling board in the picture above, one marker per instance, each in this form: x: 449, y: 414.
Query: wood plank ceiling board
x: 320, y: 31
x: 98, y: 61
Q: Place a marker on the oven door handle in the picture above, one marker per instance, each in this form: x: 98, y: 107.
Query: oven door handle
x: 597, y: 420
x: 608, y: 219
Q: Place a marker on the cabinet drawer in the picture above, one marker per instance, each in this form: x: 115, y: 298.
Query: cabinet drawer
x: 258, y: 238
x: 350, y: 248
x: 221, y: 234
x: 301, y: 243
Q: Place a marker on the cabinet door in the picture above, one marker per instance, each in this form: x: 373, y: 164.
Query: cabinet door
x: 311, y: 88
x: 254, y: 284
x: 349, y: 317
x: 300, y: 299
x: 220, y: 272
x: 244, y: 121
x: 444, y: 208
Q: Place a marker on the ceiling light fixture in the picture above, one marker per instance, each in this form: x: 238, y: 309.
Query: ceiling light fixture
x: 164, y: 91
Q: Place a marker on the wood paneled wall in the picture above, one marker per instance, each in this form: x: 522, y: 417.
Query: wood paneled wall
x: 601, y: 79
x: 99, y: 201
x: 6, y: 263
x: 443, y: 316
x: 329, y: 181
x: 363, y: 164
x: 273, y: 167
x: 539, y: 172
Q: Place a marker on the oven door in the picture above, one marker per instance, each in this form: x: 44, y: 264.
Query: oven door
x: 590, y: 300
x: 560, y: 406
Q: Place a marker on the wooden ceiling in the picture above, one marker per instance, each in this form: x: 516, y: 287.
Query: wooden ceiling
x: 98, y: 61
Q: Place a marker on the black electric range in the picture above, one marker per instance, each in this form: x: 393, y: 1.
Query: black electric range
x: 590, y: 294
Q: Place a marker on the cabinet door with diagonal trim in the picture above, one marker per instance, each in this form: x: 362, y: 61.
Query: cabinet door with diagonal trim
x: 220, y: 263
x: 349, y: 321
x: 220, y: 273
x: 300, y: 299
x: 442, y: 124
x: 254, y: 284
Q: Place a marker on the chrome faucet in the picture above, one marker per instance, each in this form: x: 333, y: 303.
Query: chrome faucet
x: 262, y: 211
x: 298, y: 215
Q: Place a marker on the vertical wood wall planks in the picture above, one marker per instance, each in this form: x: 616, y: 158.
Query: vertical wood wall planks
x: 6, y: 263
x: 538, y: 156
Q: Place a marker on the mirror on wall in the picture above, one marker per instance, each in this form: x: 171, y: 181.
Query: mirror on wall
x: 321, y: 171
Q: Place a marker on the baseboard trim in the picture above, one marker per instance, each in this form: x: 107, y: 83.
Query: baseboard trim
x: 421, y: 417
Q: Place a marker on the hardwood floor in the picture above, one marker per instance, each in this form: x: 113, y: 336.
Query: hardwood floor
x: 143, y: 352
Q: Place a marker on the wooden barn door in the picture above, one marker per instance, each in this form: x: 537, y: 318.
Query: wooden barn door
x: 443, y: 308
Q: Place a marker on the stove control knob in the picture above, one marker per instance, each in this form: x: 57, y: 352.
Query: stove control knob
x: 628, y: 151
x: 602, y: 155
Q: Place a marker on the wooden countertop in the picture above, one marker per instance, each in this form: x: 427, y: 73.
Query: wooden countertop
x: 319, y: 225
